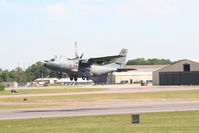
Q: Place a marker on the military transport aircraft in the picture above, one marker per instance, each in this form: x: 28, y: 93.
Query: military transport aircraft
x: 87, y: 68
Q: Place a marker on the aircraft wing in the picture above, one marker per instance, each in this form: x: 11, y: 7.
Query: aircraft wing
x: 103, y: 59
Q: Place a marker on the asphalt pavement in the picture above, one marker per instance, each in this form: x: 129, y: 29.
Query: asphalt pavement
x: 114, y: 107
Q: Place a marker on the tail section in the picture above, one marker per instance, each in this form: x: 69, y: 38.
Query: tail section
x: 121, y: 61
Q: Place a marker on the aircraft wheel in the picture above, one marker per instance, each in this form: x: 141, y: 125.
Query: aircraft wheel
x: 87, y: 78
x: 71, y: 78
x: 83, y: 78
x: 75, y: 78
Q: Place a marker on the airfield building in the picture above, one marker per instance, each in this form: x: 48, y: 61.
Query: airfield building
x: 80, y: 81
x: 185, y: 72
x: 132, y: 74
x: 46, y: 80
x: 10, y: 84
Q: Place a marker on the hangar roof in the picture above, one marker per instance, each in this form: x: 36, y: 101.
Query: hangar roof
x: 144, y: 68
x: 185, y: 60
x: 140, y: 69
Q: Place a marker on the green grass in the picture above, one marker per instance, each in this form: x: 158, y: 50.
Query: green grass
x: 167, y: 122
x: 2, y: 87
x: 45, y: 91
x: 190, y: 94
x: 11, y: 102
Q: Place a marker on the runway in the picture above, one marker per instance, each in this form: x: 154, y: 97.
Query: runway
x: 110, y: 107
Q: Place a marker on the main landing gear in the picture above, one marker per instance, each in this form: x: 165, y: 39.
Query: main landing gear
x: 85, y: 78
x: 75, y: 78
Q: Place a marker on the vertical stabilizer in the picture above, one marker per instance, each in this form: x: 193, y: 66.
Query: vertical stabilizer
x: 121, y: 61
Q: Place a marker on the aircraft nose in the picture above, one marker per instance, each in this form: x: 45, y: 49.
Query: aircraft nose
x: 49, y: 65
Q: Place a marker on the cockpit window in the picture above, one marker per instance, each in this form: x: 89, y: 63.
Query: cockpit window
x: 52, y: 59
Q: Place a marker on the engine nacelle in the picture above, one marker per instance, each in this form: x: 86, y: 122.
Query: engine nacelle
x: 84, y: 61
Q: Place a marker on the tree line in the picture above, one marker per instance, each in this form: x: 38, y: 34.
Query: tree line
x: 33, y: 72
x: 154, y: 61
x: 38, y: 70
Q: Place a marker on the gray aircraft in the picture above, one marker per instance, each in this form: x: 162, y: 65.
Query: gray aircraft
x: 87, y: 68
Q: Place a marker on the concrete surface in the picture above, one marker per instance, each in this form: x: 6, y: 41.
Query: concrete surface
x: 114, y: 107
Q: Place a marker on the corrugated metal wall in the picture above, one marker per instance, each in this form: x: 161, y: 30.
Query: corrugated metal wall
x: 102, y: 79
x: 179, y: 78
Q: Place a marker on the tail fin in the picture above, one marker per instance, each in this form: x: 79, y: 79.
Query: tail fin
x: 121, y: 61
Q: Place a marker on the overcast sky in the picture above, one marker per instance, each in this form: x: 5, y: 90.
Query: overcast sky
x: 36, y: 30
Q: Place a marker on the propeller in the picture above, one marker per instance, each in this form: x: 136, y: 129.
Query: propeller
x: 76, y: 54
x: 81, y: 56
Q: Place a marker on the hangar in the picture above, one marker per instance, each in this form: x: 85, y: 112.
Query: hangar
x: 185, y: 72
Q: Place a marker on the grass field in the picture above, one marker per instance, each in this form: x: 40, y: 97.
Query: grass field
x: 48, y: 101
x: 167, y: 122
x: 190, y: 94
x: 45, y: 91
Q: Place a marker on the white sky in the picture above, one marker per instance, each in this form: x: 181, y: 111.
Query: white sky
x: 35, y: 30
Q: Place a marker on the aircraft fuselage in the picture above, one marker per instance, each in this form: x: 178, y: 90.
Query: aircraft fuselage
x: 87, y: 68
x: 73, y: 69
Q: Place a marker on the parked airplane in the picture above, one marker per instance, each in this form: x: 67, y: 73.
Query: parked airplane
x: 87, y: 68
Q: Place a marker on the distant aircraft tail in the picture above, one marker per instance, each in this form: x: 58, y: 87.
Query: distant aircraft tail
x: 121, y: 61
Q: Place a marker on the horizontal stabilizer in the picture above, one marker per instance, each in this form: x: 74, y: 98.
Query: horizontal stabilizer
x: 125, y: 70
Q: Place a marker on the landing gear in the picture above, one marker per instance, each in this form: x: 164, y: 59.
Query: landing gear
x: 71, y: 78
x: 75, y: 78
x: 85, y: 78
